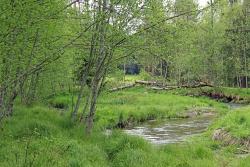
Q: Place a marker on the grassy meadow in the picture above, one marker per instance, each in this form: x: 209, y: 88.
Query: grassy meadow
x: 39, y: 135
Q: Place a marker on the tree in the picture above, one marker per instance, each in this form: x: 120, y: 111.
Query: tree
x: 31, y: 38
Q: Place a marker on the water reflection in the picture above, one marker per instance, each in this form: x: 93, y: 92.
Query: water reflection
x: 235, y: 105
x: 176, y: 130
x: 171, y: 131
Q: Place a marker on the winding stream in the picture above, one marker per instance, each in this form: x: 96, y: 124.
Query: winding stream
x: 174, y: 130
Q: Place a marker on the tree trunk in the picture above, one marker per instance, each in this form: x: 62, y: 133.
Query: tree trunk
x: 1, y: 105
x: 94, y: 95
x: 85, y: 108
x: 84, y: 76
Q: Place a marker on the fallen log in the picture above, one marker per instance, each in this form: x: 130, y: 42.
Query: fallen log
x: 199, y: 85
x: 155, y: 86
x: 182, y: 86
x: 163, y: 88
x: 141, y: 82
x: 138, y: 82
x: 122, y: 87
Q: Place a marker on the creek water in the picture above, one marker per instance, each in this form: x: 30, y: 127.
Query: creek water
x: 174, y: 130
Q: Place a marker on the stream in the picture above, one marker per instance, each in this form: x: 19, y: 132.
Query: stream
x: 174, y: 130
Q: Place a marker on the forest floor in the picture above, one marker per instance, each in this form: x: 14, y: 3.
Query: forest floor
x: 42, y: 135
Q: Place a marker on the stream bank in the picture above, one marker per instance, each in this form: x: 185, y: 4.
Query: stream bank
x: 171, y: 130
x: 177, y: 130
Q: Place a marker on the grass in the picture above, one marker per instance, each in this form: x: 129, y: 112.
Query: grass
x: 42, y: 136
x: 139, y: 104
x: 237, y: 123
x: 117, y: 79
x: 38, y: 136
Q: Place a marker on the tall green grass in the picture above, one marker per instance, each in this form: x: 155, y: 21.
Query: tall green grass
x: 42, y: 136
x: 139, y: 104
x: 236, y: 122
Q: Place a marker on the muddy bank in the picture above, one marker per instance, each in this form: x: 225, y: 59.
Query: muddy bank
x: 198, y: 90
x: 224, y: 98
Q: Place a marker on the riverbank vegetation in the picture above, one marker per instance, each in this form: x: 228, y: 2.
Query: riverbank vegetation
x: 139, y: 105
x: 42, y: 136
x: 74, y: 73
x: 237, y: 123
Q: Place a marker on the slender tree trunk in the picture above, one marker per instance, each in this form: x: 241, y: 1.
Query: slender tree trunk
x: 124, y: 71
x: 245, y: 47
x: 85, y: 108
x: 30, y: 59
x: 161, y: 67
x: 1, y: 104
x: 11, y: 103
x: 84, y: 78
x: 77, y: 105
x: 94, y: 95
x: 95, y: 91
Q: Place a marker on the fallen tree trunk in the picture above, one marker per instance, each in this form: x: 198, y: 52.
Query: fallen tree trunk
x: 182, y: 86
x: 163, y: 88
x: 141, y: 82
x: 155, y: 86
x: 122, y: 87
x: 201, y: 84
